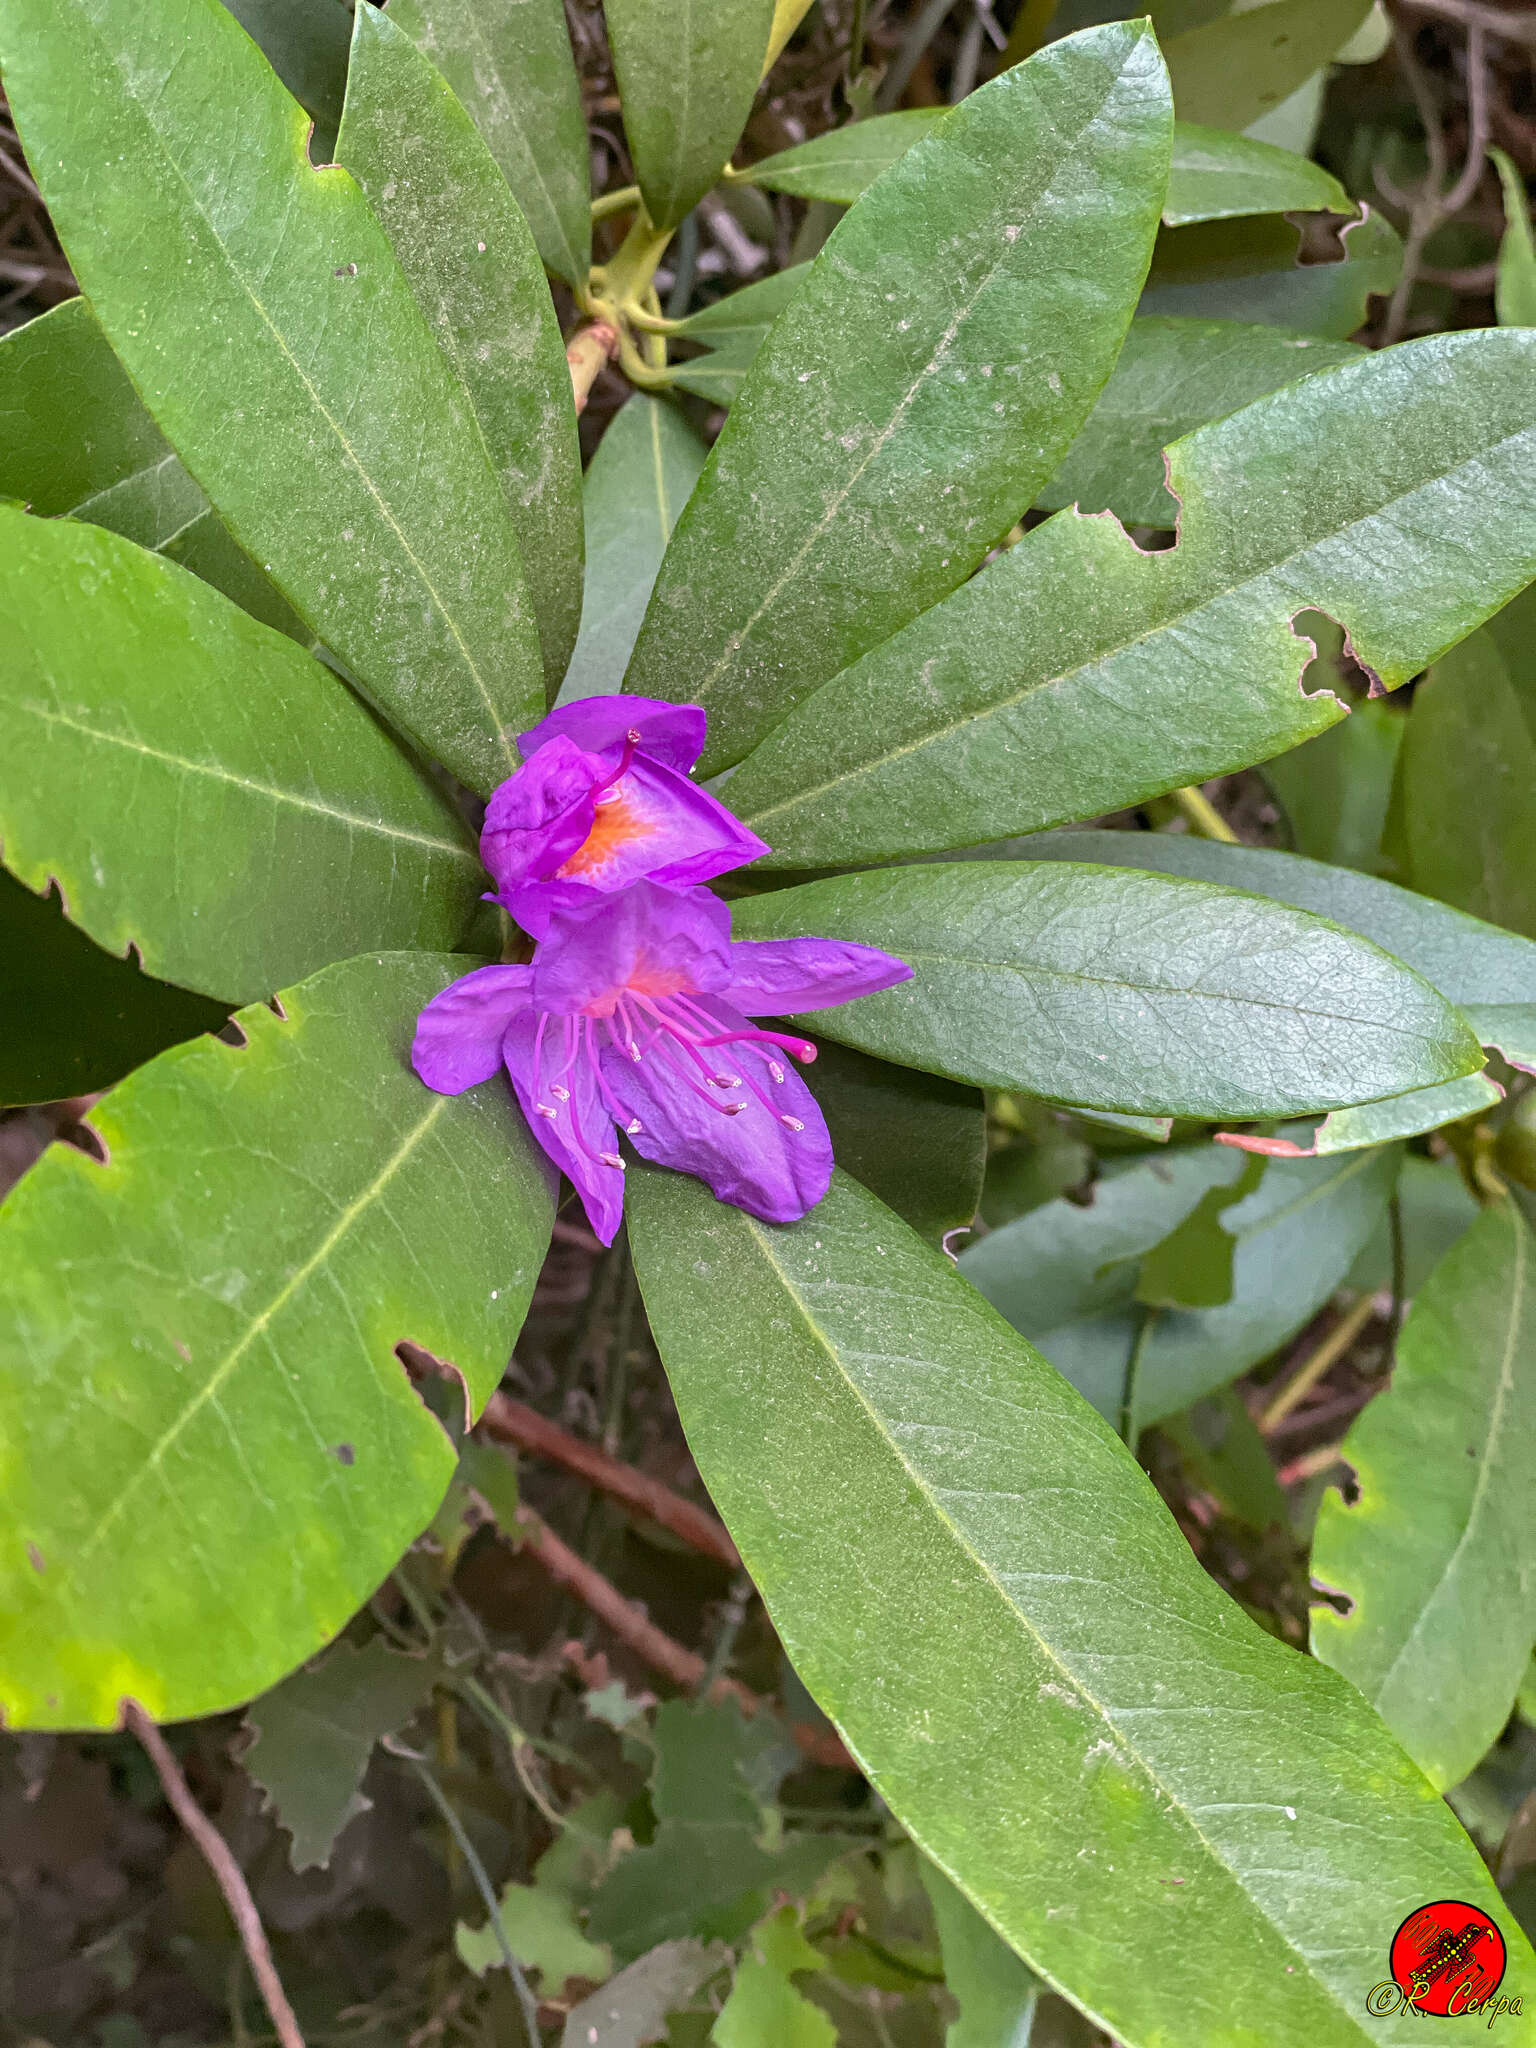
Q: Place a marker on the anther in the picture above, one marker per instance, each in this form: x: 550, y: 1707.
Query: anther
x: 560, y: 1094
x: 730, y: 1109
x: 611, y: 1159
x: 775, y: 1071
x: 543, y: 1109
x: 633, y: 735
x: 792, y: 1123
x: 634, y: 1128
x: 725, y: 1080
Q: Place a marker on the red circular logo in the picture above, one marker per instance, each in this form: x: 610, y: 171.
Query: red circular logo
x: 1447, y: 1957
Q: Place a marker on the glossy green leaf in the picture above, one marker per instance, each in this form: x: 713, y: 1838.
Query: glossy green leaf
x: 1515, y: 292
x: 997, y: 1992
x: 636, y: 485
x: 917, y: 1141
x: 1405, y: 1116
x: 1336, y: 789
x: 1217, y: 175
x: 199, y: 787
x: 258, y: 308
x: 72, y: 1018
x: 1236, y: 69
x: 842, y: 164
x: 1142, y: 994
x: 1174, y: 376
x: 687, y: 76
x: 949, y: 326
x: 1251, y: 270
x: 1076, y: 674
x: 198, y: 1348
x: 884, y: 1447
x: 75, y: 438
x: 1436, y: 1552
x: 511, y: 67
x: 315, y: 1732
x: 1466, y: 826
x: 305, y: 42
x: 466, y: 249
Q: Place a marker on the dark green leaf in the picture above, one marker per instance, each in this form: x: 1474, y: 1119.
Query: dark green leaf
x: 636, y: 485
x: 1217, y: 175
x: 1466, y: 829
x: 819, y: 526
x: 1226, y: 1456
x: 75, y: 438
x: 512, y: 68
x: 305, y: 42
x: 1076, y: 674
x: 687, y: 76
x: 198, y: 1348
x: 1437, y: 1551
x: 316, y: 1731
x: 1238, y: 68
x: 265, y: 321
x: 915, y: 1140
x: 1516, y: 293
x: 1433, y: 1209
x: 465, y: 247
x: 200, y: 788
x: 1405, y: 1116
x: 1192, y: 1266
x: 753, y: 309
x: 997, y: 1991
x: 719, y: 375
x: 883, y: 1447
x: 1173, y: 376
x: 843, y: 163
x: 1250, y: 270
x: 1336, y: 788
x: 1160, y: 998
x: 72, y: 1018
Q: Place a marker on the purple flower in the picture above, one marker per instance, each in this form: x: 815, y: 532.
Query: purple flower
x: 602, y: 800
x: 633, y: 1017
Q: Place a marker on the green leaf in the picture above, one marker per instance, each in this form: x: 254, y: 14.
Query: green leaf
x: 1173, y: 376
x: 1467, y: 775
x: 1489, y: 974
x: 915, y: 1140
x: 262, y: 315
x: 719, y: 375
x: 1433, y: 1209
x: 1240, y: 67
x: 997, y: 1991
x: 1067, y: 1277
x: 1437, y: 1550
x: 1151, y: 996
x: 687, y: 77
x: 1192, y: 1266
x: 316, y: 1731
x: 1217, y: 175
x: 765, y: 2010
x: 636, y: 485
x: 466, y: 250
x: 632, y: 2008
x: 1076, y: 675
x: 305, y: 42
x: 1336, y: 789
x: 544, y: 1935
x: 72, y: 1018
x: 75, y: 438
x: 198, y: 1348
x: 818, y: 527
x: 1227, y: 1457
x: 751, y: 310
x: 842, y: 164
x: 512, y: 68
x: 884, y: 1447
x: 1405, y: 1116
x: 1251, y: 270
x: 1515, y: 294
x: 199, y: 787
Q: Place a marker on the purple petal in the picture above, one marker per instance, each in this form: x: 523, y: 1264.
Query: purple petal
x: 771, y: 1157
x: 555, y: 1079
x: 778, y: 977
x: 647, y: 940
x: 539, y: 817
x: 459, y: 1034
x: 672, y: 734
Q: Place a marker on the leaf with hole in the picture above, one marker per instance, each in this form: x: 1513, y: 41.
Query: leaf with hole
x: 1076, y: 674
x: 1169, y: 1777
x: 264, y: 319
x: 1435, y: 1549
x: 1251, y: 270
x: 949, y: 326
x: 271, y: 1221
x: 248, y: 819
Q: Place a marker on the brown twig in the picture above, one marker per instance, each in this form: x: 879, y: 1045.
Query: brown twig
x: 514, y: 1422
x: 634, y: 1628
x: 1471, y: 14
x: 589, y: 349
x: 1318, y: 1363
x: 1434, y: 202
x: 227, y: 1872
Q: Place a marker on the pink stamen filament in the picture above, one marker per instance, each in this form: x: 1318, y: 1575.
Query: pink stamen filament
x: 601, y: 792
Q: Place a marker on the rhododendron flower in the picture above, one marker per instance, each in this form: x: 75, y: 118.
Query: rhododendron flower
x: 634, y: 1017
x: 602, y: 800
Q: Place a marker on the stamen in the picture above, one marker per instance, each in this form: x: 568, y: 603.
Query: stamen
x: 606, y: 790
x: 634, y: 1127
x: 792, y: 1123
x: 560, y: 1094
x: 775, y: 1071
x: 611, y: 1159
x: 543, y: 1109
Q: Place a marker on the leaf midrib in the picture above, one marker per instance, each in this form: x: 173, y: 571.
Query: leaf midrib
x: 1134, y: 1756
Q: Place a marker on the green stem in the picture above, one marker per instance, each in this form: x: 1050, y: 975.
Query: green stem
x: 622, y: 201
x: 1203, y: 815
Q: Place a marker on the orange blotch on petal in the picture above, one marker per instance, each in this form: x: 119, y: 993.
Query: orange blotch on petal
x: 619, y: 824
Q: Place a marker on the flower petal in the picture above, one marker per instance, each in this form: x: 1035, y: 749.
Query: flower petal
x: 778, y: 977
x: 647, y: 939
x: 538, y: 817
x: 459, y: 1033
x: 575, y: 1129
x: 773, y: 1161
x: 672, y: 734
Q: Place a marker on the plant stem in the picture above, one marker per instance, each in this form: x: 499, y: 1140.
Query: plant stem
x: 1203, y: 816
x: 1319, y: 1362
x: 916, y: 40
x: 588, y: 349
